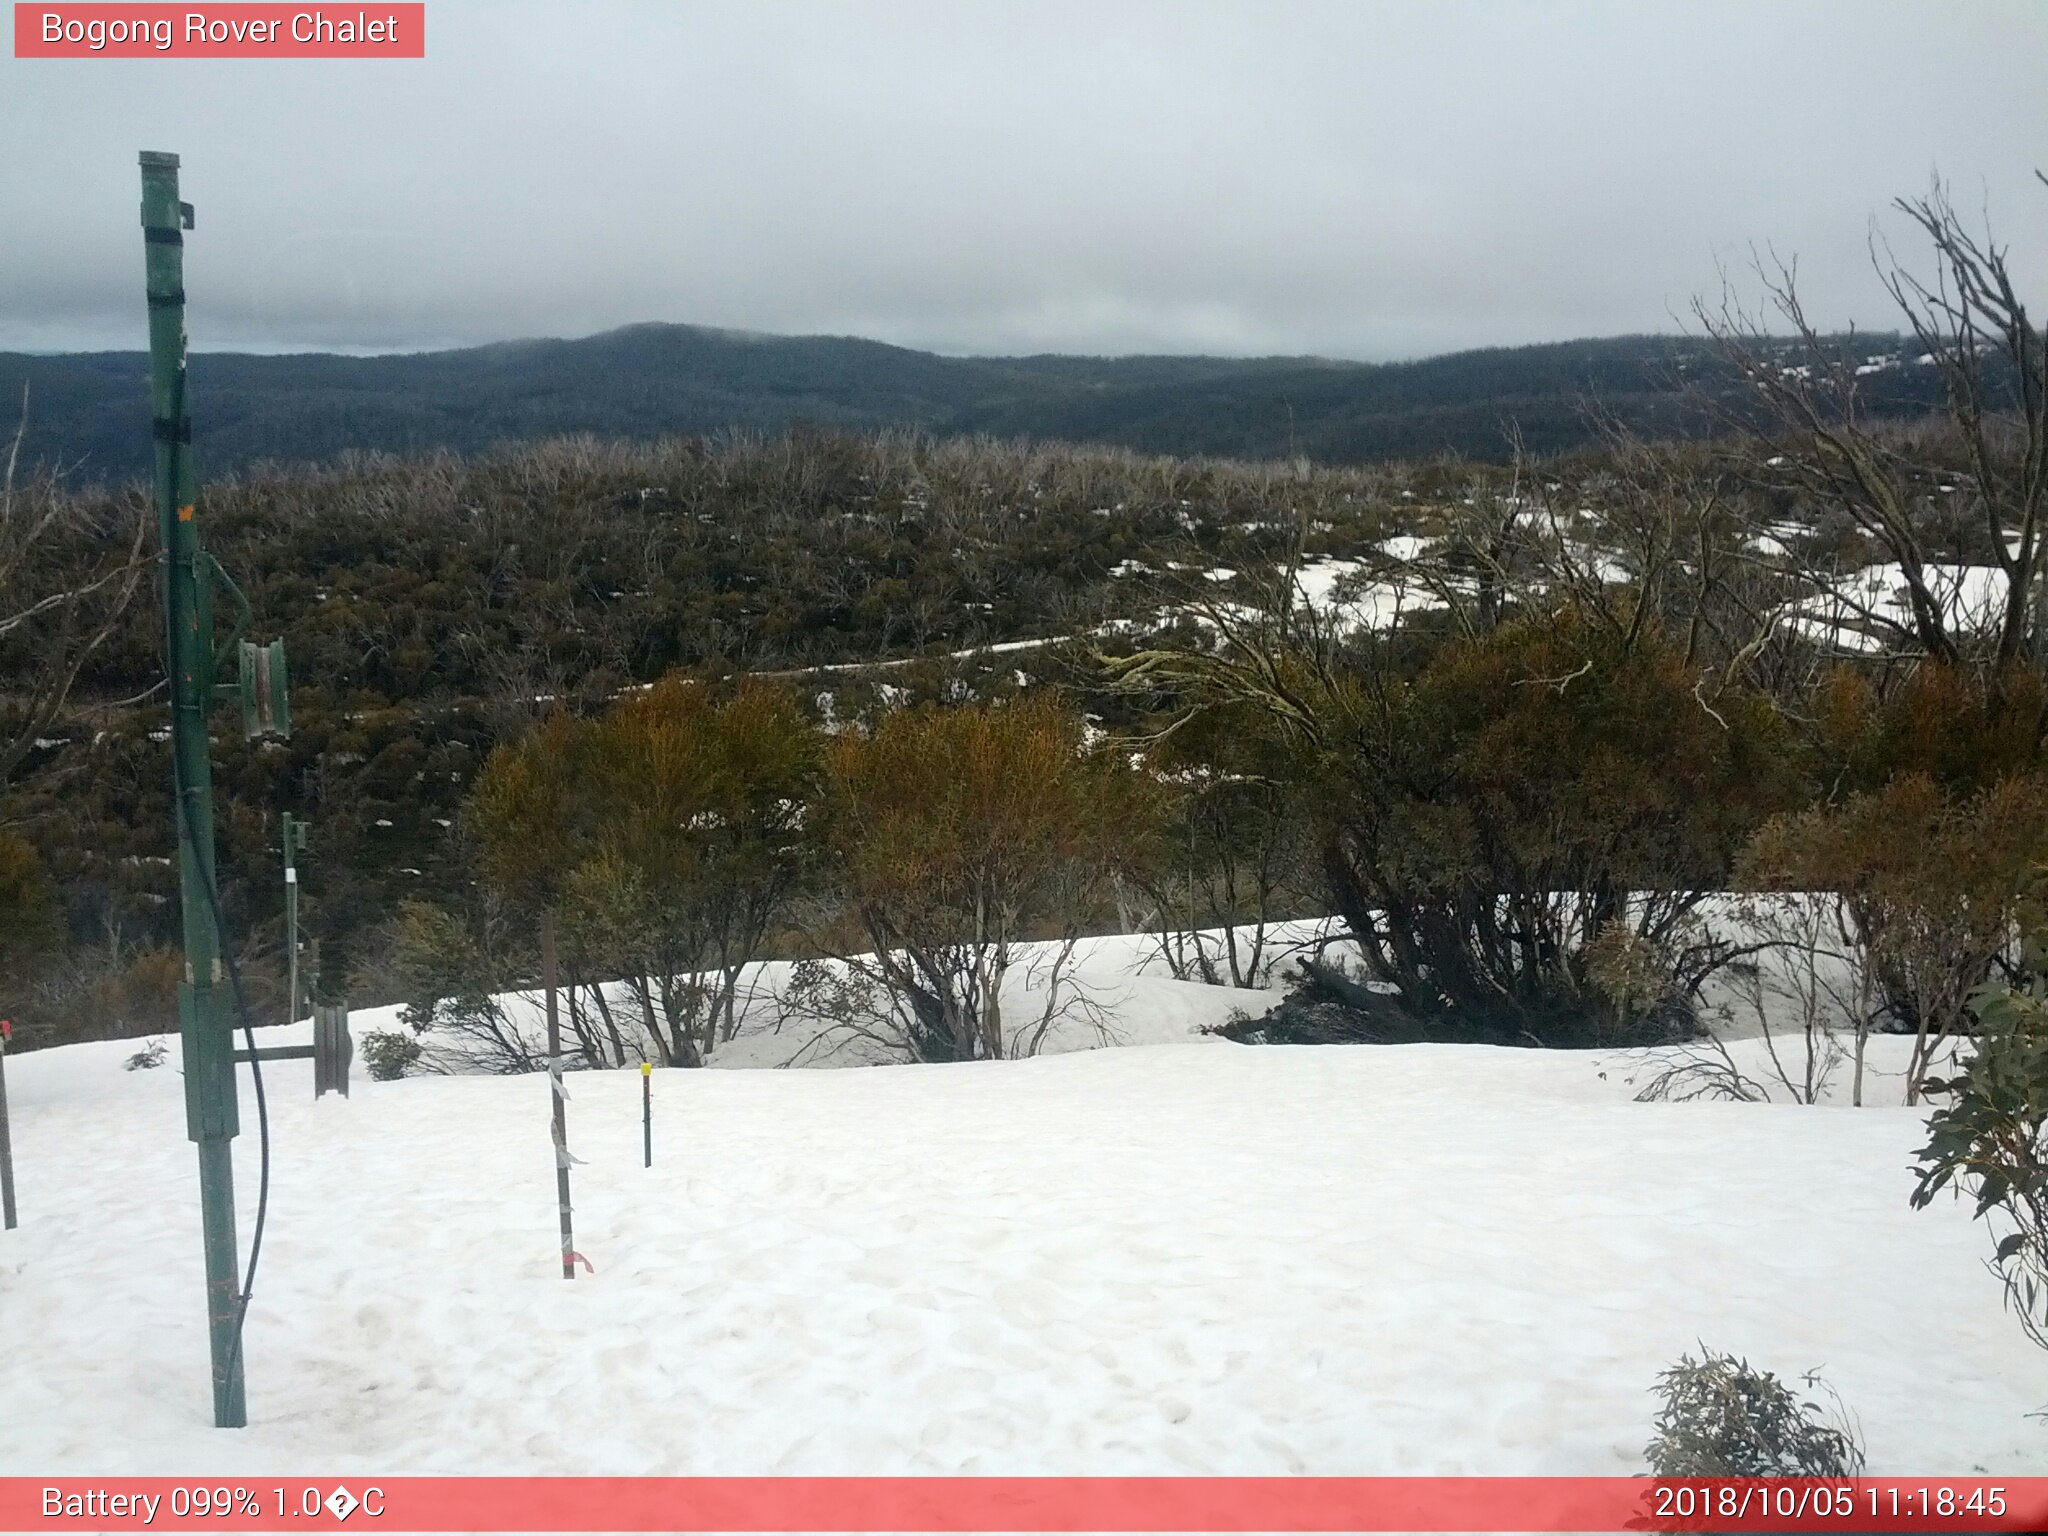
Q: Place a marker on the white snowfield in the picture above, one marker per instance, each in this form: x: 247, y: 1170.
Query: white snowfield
x: 1168, y: 1258
x: 1870, y: 608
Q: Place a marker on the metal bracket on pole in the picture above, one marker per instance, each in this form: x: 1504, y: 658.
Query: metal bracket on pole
x: 333, y: 1050
x: 265, y: 692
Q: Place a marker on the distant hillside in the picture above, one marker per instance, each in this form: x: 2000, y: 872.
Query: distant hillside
x: 89, y: 411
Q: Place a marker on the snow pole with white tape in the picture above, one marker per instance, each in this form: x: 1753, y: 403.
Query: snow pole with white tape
x: 6, y: 1141
x: 292, y: 837
x: 560, y: 1091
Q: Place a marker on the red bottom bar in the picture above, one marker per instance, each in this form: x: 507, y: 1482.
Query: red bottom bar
x: 1019, y: 1504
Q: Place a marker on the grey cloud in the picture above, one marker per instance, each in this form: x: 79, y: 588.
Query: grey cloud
x: 1351, y: 179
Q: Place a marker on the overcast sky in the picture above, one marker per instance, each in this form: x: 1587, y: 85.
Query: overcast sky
x: 1367, y: 180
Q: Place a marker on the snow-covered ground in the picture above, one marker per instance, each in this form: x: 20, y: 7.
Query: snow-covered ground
x: 1337, y: 587
x: 1871, y: 607
x: 1176, y: 1256
x: 1168, y: 1258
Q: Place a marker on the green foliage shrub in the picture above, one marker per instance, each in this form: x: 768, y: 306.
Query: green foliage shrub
x: 389, y: 1055
x: 1960, y: 730
x: 957, y: 833
x: 102, y: 997
x: 1990, y: 1139
x: 1721, y: 1418
x: 1932, y: 879
x: 30, y: 916
x: 1235, y: 856
x: 1482, y: 815
x: 668, y: 837
x: 449, y: 982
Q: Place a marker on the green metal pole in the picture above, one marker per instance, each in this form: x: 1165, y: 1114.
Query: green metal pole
x: 211, y: 1113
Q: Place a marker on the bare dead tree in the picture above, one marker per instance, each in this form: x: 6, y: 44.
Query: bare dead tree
x: 68, y: 566
x: 1973, y: 328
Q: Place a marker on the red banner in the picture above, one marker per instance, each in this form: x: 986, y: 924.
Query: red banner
x: 1018, y: 1504
x: 101, y: 31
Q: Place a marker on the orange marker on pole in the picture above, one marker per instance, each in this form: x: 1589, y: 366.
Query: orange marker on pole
x: 647, y: 1112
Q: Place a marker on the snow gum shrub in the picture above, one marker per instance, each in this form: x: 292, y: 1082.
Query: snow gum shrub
x: 522, y: 811
x: 669, y: 838
x: 1634, y: 981
x: 387, y: 1054
x: 1930, y: 882
x: 1487, y: 816
x: 701, y: 838
x: 1720, y: 1418
x: 86, y: 994
x: 1990, y: 1140
x: 448, y: 982
x: 958, y: 834
x: 102, y: 997
x: 530, y: 818
x: 1235, y: 854
x: 1958, y: 729
x: 30, y: 924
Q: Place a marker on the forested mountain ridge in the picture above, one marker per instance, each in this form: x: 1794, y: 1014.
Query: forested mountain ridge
x: 88, y: 411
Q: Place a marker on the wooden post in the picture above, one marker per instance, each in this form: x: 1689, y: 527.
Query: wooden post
x: 560, y: 1092
x: 647, y: 1112
x: 6, y: 1141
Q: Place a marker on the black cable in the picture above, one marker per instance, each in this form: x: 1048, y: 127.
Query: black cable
x: 227, y: 954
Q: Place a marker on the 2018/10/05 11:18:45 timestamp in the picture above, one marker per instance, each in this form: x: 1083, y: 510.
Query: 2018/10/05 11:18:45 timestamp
x: 1823, y: 1503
